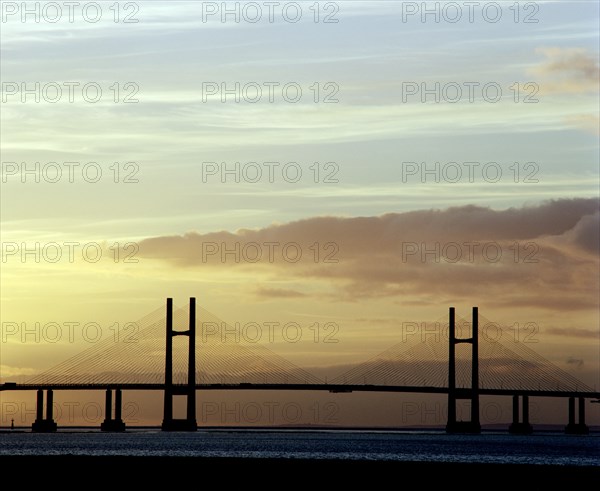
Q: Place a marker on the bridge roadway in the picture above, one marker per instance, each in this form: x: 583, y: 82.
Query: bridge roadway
x: 334, y: 388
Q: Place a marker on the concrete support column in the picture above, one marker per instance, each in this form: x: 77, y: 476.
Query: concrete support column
x: 571, y: 410
x: 39, y: 413
x: 118, y: 404
x: 579, y: 427
x: 108, y: 405
x: 110, y: 424
x: 47, y: 424
x: 581, y: 411
x: 520, y: 426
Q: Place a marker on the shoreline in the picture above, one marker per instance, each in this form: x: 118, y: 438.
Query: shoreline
x: 593, y: 431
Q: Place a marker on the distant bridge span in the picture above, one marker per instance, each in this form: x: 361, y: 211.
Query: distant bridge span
x: 542, y: 372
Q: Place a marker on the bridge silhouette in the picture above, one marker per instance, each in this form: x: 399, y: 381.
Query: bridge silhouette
x: 433, y: 358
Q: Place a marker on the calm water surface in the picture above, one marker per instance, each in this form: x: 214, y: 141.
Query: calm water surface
x: 556, y: 449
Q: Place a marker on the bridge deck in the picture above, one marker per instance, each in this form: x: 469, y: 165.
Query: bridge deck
x: 306, y: 387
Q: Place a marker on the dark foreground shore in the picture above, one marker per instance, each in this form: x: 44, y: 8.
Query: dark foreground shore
x: 134, y: 469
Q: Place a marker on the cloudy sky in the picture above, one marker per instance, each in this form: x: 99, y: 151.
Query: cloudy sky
x: 377, y: 167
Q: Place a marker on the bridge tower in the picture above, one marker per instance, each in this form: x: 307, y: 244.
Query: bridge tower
x: 472, y: 426
x: 189, y: 390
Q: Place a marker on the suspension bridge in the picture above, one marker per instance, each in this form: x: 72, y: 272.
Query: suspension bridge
x: 436, y: 361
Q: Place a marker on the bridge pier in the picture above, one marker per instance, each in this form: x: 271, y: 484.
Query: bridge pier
x: 520, y: 427
x: 110, y: 424
x: 579, y: 428
x: 47, y: 424
x: 189, y: 390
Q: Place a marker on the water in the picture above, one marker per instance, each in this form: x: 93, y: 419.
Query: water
x: 554, y: 449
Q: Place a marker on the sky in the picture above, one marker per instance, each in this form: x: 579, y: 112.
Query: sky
x: 365, y: 166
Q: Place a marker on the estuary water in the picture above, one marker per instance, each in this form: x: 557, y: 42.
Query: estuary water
x: 541, y: 449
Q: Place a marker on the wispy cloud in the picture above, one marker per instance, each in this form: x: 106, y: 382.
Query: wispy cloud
x: 568, y: 70
x: 573, y: 332
x: 264, y: 293
x: 577, y: 362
